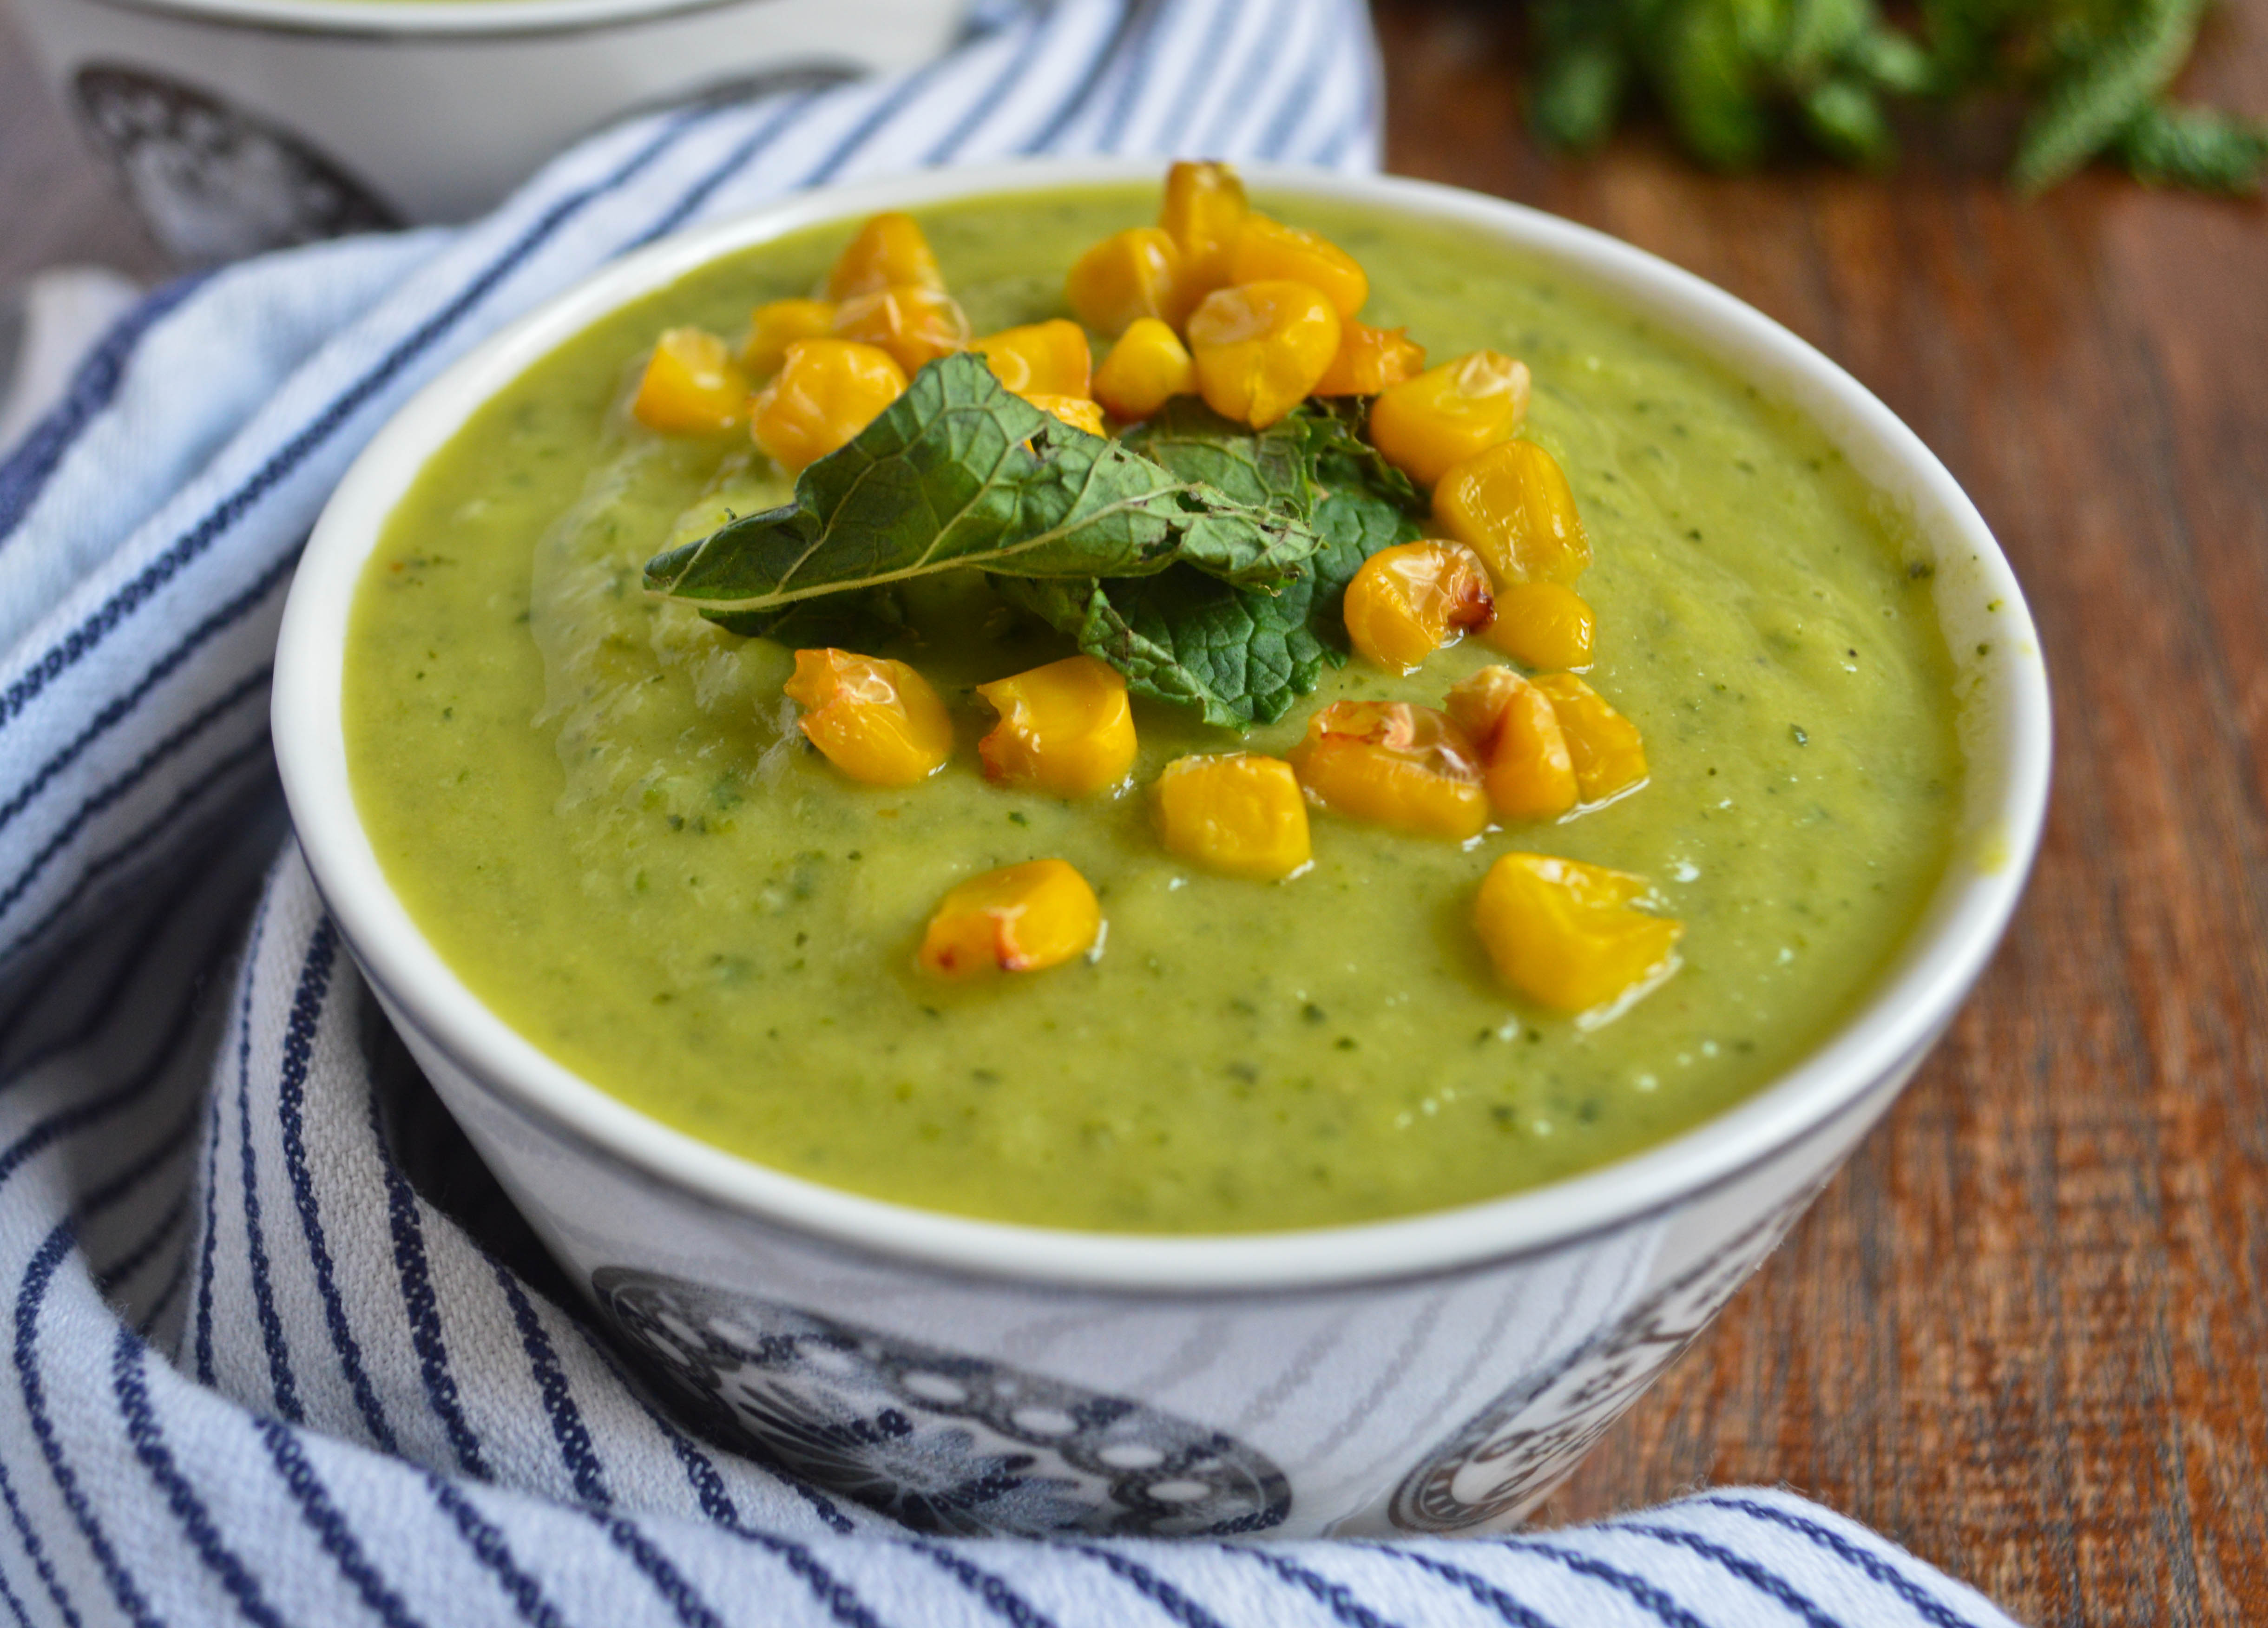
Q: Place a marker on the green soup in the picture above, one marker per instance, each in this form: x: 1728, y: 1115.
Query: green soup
x: 599, y: 808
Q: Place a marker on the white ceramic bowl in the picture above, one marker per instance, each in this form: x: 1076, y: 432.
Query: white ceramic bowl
x: 1437, y: 1373
x: 243, y: 125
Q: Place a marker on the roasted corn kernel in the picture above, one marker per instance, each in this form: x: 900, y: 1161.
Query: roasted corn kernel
x: 1609, y: 754
x: 1148, y: 366
x: 1204, y: 205
x: 914, y: 324
x: 1039, y: 358
x: 1129, y: 275
x: 1387, y: 761
x: 876, y: 719
x: 1019, y: 918
x: 1259, y: 347
x: 1371, y: 359
x: 1406, y: 602
x: 888, y: 252
x: 1065, y: 728
x: 1566, y: 935
x: 1234, y: 813
x: 1075, y: 410
x: 692, y: 386
x: 773, y: 327
x: 1268, y: 250
x: 825, y: 393
x: 1525, y: 765
x: 1512, y: 502
x: 1427, y: 425
x: 1542, y: 624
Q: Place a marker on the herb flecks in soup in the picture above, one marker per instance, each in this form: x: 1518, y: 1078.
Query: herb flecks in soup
x: 1240, y: 893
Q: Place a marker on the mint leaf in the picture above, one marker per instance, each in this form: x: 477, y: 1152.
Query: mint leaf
x: 1238, y: 656
x: 958, y: 473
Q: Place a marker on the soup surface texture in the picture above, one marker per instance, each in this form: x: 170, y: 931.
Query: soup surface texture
x: 598, y: 809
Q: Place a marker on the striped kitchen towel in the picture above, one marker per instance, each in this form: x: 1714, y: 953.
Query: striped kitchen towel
x: 276, y: 1349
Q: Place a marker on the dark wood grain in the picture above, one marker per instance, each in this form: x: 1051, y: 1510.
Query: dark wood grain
x: 2026, y: 1333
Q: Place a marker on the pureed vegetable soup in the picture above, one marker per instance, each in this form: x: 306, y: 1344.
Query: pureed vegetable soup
x: 601, y: 809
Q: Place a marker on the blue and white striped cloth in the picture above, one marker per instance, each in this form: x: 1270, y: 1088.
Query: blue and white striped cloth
x: 276, y: 1350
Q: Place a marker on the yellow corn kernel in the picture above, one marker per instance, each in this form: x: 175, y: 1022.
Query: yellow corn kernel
x: 889, y: 251
x: 1542, y: 624
x: 1129, y: 275
x: 1065, y: 728
x: 1370, y: 359
x: 1019, y: 918
x: 1565, y: 935
x: 914, y: 324
x: 1610, y: 756
x: 1148, y: 366
x: 1204, y: 205
x: 877, y: 720
x: 1039, y: 358
x: 1408, y: 767
x: 825, y: 393
x: 1427, y: 425
x: 1233, y: 813
x: 1268, y: 250
x: 1512, y: 503
x: 774, y: 326
x: 1407, y: 601
x: 1525, y: 765
x: 692, y: 386
x: 1259, y: 347
x: 1075, y: 410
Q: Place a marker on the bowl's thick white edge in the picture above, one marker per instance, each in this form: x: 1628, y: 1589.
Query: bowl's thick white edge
x: 353, y: 21
x: 2007, y: 787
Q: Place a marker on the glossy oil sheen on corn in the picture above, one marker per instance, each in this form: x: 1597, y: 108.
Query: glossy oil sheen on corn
x: 599, y: 808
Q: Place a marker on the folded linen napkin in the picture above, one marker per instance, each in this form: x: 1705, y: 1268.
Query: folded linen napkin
x: 278, y: 1350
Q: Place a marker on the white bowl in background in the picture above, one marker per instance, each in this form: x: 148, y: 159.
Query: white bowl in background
x: 244, y: 125
x: 1439, y: 1372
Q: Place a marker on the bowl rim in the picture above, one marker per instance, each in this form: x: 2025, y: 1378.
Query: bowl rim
x: 1897, y: 1019
x: 398, y: 20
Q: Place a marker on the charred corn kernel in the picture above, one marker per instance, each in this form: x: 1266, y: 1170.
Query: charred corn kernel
x: 1269, y: 251
x: 1065, y: 728
x: 1259, y: 347
x: 1609, y: 756
x: 1395, y: 764
x: 1039, y: 359
x: 1146, y: 367
x: 692, y: 386
x: 1075, y: 410
x: 1370, y: 359
x: 1204, y: 205
x: 1525, y: 765
x: 1019, y: 918
x: 1542, y: 624
x: 1429, y: 424
x: 914, y: 324
x: 1234, y: 813
x: 825, y: 393
x: 889, y: 251
x: 773, y: 327
x: 877, y: 720
x: 1129, y: 275
x: 1512, y: 503
x: 1564, y: 934
x: 1406, y: 602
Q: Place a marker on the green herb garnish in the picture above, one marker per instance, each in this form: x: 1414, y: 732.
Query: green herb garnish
x: 959, y: 474
x: 1205, y: 561
x: 2092, y: 74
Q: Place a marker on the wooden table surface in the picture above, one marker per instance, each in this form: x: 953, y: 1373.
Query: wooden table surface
x: 2026, y: 1333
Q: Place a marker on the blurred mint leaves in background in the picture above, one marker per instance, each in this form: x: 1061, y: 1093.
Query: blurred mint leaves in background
x: 1732, y: 75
